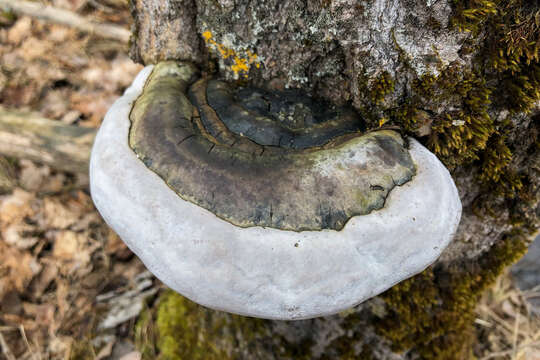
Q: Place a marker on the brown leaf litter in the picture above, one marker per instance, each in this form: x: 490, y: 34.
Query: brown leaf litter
x: 58, y: 259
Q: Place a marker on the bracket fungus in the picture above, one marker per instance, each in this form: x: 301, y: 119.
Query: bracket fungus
x: 266, y: 204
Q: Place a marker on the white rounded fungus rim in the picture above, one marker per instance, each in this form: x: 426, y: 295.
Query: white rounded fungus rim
x: 266, y: 272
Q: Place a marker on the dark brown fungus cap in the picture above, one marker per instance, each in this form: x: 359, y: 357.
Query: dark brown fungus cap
x: 259, y: 158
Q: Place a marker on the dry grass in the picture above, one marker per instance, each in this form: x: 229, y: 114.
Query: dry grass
x: 507, y: 323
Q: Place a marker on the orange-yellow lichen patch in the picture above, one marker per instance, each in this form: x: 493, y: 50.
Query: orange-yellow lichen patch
x: 240, y: 64
x: 207, y: 35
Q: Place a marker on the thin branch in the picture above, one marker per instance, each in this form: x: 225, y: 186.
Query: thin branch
x: 5, y: 349
x: 27, y: 135
x: 68, y: 18
x: 28, y: 347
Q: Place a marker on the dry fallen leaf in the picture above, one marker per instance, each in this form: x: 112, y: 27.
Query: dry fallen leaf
x: 60, y: 214
x: 71, y: 116
x: 32, y: 176
x: 59, y: 34
x: 59, y: 345
x: 116, y: 247
x: 70, y: 245
x: 55, y: 252
x: 20, y: 30
x: 16, y: 206
x: 32, y: 48
x: 42, y: 281
x: 19, y: 266
x: 19, y: 235
x: 3, y: 81
x: 93, y: 105
x: 106, y: 351
x: 43, y: 314
x: 55, y: 103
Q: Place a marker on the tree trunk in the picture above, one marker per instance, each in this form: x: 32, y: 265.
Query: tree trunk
x: 462, y: 76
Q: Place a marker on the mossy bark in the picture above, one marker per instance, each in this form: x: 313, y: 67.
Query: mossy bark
x: 462, y: 76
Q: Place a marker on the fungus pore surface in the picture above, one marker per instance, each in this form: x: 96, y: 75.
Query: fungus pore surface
x: 259, y: 158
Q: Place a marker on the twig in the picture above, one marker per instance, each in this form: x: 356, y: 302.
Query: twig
x: 36, y: 344
x: 7, y: 328
x: 68, y: 18
x: 483, y: 323
x: 500, y: 354
x: 508, y: 329
x: 23, y: 334
x: 515, y: 337
x: 5, y: 349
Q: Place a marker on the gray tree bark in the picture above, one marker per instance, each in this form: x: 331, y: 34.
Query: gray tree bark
x: 422, y: 65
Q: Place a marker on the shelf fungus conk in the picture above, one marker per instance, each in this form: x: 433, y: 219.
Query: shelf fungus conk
x: 266, y: 204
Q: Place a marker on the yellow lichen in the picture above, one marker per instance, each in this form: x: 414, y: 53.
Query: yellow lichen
x: 207, y: 35
x: 239, y: 65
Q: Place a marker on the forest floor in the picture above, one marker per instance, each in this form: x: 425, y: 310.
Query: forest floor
x: 67, y: 282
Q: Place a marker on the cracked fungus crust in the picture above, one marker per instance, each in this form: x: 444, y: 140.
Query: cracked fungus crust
x: 255, y: 158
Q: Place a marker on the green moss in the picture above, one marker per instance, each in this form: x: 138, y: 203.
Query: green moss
x: 505, y: 75
x: 178, y: 328
x: 182, y: 334
x: 469, y: 15
x: 496, y: 173
x: 433, y: 24
x: 326, y: 3
x: 82, y: 350
x: 381, y: 86
x: 433, y: 312
x: 508, y: 32
x: 458, y: 136
x: 407, y: 116
x: 520, y: 90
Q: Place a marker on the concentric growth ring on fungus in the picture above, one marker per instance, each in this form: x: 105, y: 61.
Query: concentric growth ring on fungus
x: 277, y: 160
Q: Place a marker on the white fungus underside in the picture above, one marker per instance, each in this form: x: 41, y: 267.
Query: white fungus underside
x: 259, y: 271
